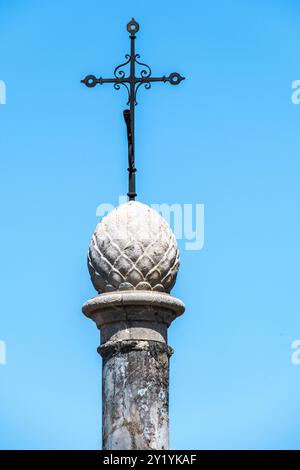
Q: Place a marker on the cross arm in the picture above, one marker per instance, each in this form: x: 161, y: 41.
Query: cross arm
x: 174, y: 79
x: 90, y: 80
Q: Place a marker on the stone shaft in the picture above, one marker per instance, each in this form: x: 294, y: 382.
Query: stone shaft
x: 135, y: 395
x: 135, y: 374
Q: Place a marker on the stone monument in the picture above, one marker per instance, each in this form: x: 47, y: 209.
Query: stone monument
x: 133, y: 262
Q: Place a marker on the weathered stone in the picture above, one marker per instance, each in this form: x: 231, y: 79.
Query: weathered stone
x: 135, y: 373
x: 133, y: 248
x: 142, y: 305
x: 133, y: 258
x: 135, y: 395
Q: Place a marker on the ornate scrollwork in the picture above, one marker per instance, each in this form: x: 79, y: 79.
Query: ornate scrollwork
x: 145, y: 73
x: 147, y: 87
x: 118, y: 72
x: 117, y: 87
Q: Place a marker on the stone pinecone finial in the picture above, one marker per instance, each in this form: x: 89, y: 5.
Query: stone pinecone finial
x: 133, y: 247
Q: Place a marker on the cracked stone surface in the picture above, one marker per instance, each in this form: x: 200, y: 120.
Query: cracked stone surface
x: 133, y: 247
x: 135, y: 395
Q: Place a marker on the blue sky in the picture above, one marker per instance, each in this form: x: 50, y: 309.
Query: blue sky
x: 227, y: 137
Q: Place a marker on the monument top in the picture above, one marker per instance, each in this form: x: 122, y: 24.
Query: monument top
x: 132, y: 82
x: 133, y: 247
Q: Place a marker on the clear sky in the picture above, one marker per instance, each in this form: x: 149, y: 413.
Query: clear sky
x: 227, y: 137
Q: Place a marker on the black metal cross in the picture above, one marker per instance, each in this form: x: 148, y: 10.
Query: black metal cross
x: 132, y: 84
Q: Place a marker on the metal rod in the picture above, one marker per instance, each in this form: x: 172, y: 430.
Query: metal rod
x: 131, y: 148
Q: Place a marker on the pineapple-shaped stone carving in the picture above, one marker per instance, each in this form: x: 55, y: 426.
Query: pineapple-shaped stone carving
x: 133, y: 247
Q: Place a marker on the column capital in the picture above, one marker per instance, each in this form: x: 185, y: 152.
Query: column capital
x: 133, y: 305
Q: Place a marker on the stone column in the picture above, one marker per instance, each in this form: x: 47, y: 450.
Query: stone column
x: 135, y: 377
x: 133, y: 318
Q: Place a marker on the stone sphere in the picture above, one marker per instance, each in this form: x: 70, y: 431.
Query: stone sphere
x: 133, y: 247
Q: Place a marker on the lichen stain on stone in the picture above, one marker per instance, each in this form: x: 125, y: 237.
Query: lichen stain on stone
x: 135, y: 395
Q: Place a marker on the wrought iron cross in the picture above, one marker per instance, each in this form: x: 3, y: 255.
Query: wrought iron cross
x: 132, y: 83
